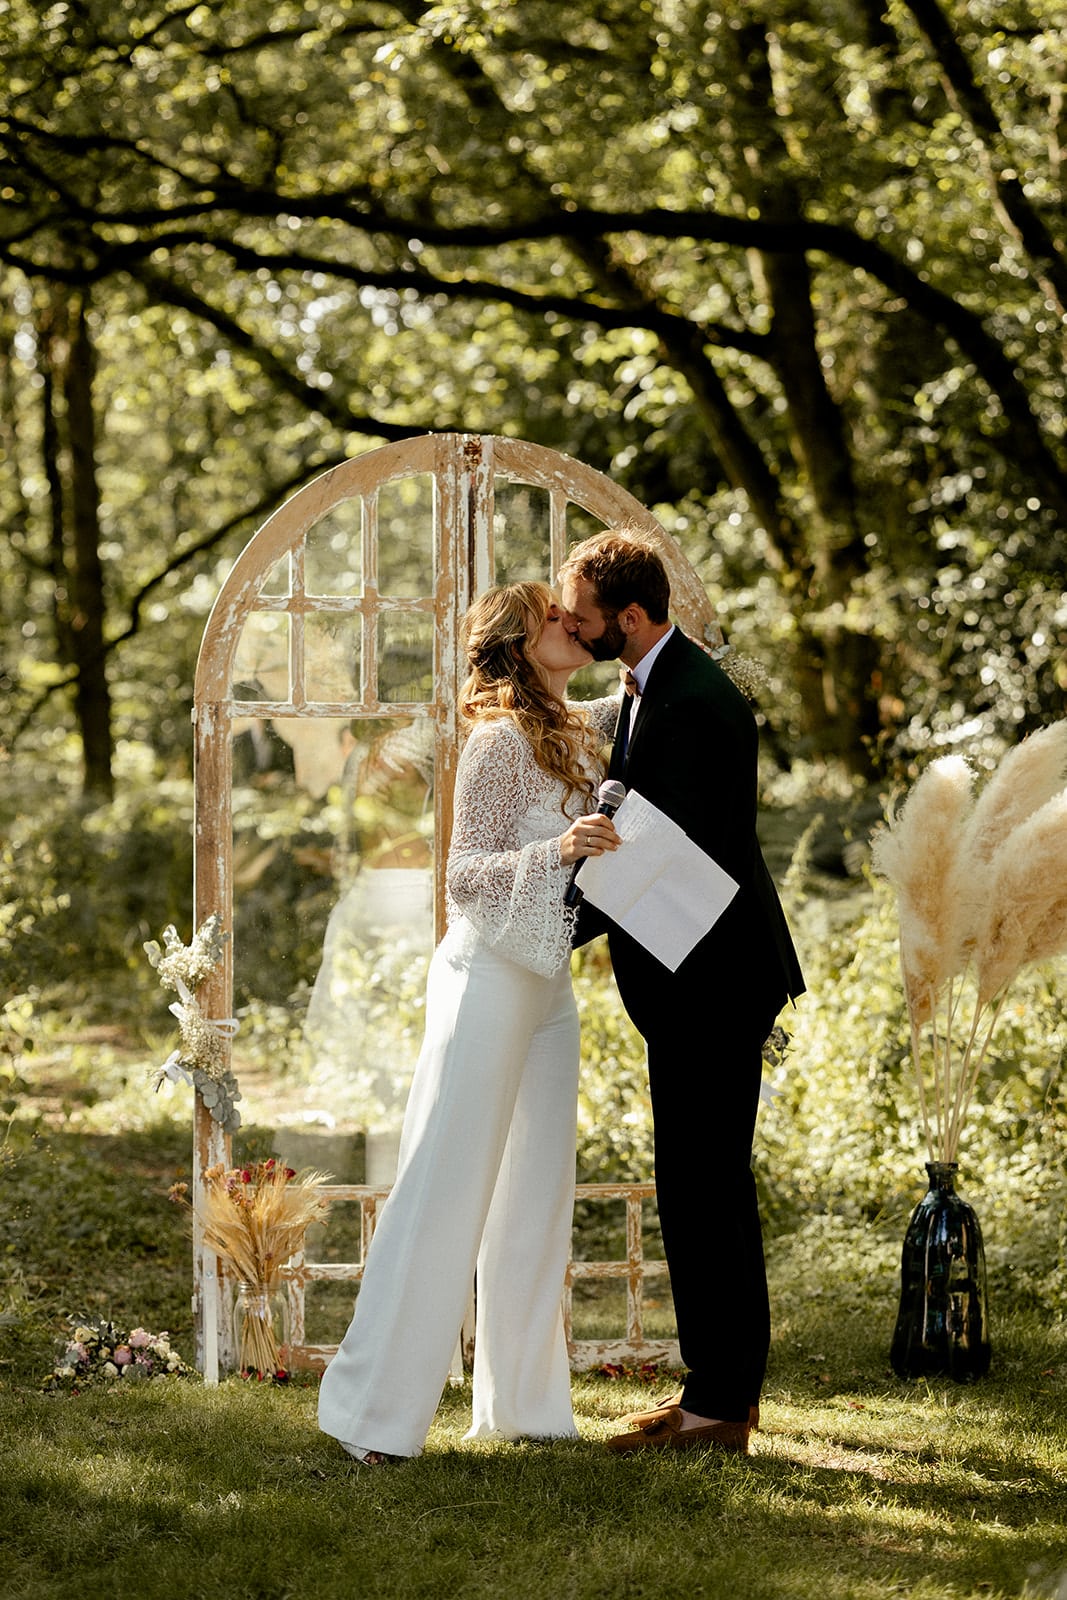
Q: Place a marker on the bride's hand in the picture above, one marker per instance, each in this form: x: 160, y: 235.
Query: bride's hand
x: 589, y: 836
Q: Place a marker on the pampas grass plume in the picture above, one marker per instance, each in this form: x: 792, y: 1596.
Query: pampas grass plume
x: 1026, y: 918
x: 981, y: 888
x: 917, y: 852
x: 1028, y: 776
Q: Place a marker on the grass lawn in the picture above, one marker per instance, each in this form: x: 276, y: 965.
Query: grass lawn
x: 860, y: 1486
x: 172, y: 1489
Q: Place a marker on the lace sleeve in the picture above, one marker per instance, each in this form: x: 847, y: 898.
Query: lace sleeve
x: 603, y: 714
x: 504, y: 870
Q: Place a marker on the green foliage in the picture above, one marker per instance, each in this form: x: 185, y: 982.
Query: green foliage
x: 762, y: 264
x: 844, y: 1136
x: 88, y: 1230
x: 614, y: 1114
x: 841, y: 1137
x: 81, y: 889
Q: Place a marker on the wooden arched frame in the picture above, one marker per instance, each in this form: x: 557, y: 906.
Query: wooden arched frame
x: 464, y: 469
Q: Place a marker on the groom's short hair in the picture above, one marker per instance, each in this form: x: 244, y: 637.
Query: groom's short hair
x: 623, y: 569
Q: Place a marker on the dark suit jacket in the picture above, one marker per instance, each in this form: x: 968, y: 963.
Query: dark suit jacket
x: 693, y: 753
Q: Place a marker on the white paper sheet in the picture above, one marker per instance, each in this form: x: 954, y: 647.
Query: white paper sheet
x: 658, y: 885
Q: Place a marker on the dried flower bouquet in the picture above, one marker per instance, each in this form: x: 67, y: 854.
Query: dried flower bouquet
x: 981, y: 889
x: 200, y: 1059
x: 255, y: 1218
x: 99, y: 1352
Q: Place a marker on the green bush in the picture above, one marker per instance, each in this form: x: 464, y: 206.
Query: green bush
x: 82, y: 887
x: 844, y: 1133
x: 81, y: 890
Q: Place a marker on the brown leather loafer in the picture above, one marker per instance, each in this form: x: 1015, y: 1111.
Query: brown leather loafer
x: 637, y: 1419
x: 665, y: 1432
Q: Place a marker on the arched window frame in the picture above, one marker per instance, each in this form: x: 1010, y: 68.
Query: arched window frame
x: 464, y: 469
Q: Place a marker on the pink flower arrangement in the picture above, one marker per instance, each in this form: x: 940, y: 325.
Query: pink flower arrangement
x: 97, y: 1352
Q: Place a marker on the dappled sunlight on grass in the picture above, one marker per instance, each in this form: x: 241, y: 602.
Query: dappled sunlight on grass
x: 908, y: 1496
x: 860, y: 1485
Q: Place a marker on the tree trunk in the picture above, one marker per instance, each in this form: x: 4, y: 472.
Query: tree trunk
x: 69, y: 449
x: 838, y: 665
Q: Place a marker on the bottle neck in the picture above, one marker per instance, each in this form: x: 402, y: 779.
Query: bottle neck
x: 942, y: 1174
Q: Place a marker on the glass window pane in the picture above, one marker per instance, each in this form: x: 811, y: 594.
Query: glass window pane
x: 333, y: 562
x: 520, y: 531
x: 333, y: 916
x: 405, y: 657
x: 581, y: 524
x: 261, y: 665
x: 332, y: 650
x: 277, y: 581
x: 363, y: 1025
x: 405, y: 538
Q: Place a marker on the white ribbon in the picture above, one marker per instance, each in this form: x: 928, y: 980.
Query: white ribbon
x: 172, y: 1068
x: 226, y: 1027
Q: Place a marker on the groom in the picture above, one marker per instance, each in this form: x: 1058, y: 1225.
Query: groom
x: 686, y: 740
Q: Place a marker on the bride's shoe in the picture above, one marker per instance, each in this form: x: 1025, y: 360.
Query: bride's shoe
x: 366, y: 1458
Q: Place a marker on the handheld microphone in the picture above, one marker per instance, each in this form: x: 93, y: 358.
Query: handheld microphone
x: 611, y: 795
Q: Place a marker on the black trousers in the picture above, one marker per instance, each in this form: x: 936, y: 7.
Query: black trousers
x: 705, y: 1069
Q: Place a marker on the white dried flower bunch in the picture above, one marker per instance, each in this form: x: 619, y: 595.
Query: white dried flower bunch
x: 201, y: 1058
x: 190, y: 964
x: 746, y: 673
x: 981, y: 888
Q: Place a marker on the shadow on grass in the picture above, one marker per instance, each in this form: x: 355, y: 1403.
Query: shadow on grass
x: 89, y: 1230
x: 860, y: 1486
x: 181, y: 1490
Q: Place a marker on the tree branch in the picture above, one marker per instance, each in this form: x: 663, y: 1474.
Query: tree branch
x: 168, y: 291
x: 973, y: 102
x: 256, y: 512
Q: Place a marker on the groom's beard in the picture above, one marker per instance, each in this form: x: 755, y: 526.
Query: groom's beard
x: 609, y: 646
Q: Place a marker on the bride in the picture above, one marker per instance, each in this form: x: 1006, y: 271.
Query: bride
x: 485, y: 1180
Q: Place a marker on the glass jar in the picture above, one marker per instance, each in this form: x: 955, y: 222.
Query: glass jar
x: 260, y: 1329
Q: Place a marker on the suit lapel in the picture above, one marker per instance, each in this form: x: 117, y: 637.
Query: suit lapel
x: 619, y: 750
x: 659, y: 679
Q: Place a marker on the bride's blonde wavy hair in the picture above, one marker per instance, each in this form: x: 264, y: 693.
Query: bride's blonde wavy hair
x: 504, y: 681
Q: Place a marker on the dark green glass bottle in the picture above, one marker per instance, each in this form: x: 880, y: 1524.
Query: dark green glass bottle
x: 943, y: 1322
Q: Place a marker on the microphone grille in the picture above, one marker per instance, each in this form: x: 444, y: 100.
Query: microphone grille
x: 612, y: 791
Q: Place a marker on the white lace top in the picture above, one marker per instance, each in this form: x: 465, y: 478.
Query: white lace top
x: 505, y: 879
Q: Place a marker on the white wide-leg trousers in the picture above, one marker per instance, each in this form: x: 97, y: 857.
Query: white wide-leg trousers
x: 485, y: 1179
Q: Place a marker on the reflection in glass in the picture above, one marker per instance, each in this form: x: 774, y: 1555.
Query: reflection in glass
x: 261, y: 665
x: 600, y: 677
x: 333, y: 914
x: 405, y: 538
x: 332, y: 656
x: 405, y: 657
x: 333, y: 556
x: 364, y: 1017
x: 520, y: 531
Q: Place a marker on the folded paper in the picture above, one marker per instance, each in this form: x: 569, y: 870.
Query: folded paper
x: 659, y: 886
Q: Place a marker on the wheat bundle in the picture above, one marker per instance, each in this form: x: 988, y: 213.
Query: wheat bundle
x: 255, y: 1218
